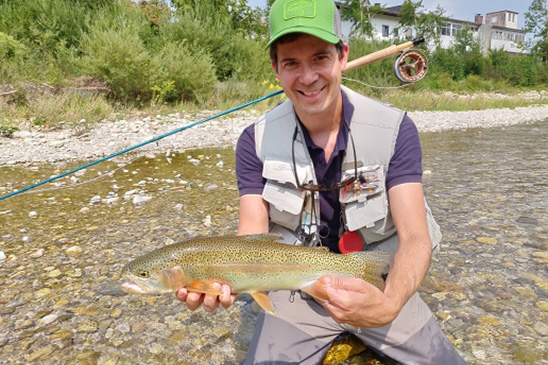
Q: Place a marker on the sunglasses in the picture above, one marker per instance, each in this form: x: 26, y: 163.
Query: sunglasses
x: 322, y: 188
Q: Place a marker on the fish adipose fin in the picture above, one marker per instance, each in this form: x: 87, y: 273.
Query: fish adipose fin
x: 204, y: 286
x: 263, y: 301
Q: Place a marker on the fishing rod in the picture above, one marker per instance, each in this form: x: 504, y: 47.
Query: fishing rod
x: 409, y: 67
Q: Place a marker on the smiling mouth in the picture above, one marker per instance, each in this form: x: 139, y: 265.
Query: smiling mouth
x: 311, y: 93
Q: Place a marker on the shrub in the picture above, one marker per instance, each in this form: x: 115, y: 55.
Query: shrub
x: 117, y: 54
x: 447, y: 60
x: 521, y: 70
x: 191, y: 73
x: 235, y: 57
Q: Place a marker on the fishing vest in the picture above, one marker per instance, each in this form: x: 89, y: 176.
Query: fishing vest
x: 375, y: 127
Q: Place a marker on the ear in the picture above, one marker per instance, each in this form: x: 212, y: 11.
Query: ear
x: 344, y: 56
x: 274, y: 67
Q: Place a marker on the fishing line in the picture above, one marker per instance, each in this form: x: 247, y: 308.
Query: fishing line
x: 53, y: 178
x: 108, y: 173
x: 405, y: 72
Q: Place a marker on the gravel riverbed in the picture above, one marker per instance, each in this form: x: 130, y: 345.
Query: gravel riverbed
x: 62, y: 250
x: 84, y: 142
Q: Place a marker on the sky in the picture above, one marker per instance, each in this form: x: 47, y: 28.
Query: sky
x: 458, y: 9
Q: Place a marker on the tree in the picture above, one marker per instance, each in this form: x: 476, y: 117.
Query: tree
x: 430, y: 24
x: 360, y: 12
x: 408, y: 16
x: 536, y: 22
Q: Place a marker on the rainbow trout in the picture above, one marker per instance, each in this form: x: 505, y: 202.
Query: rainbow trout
x: 249, y: 264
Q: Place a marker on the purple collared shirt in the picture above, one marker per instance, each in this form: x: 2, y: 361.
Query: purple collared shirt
x: 405, y: 167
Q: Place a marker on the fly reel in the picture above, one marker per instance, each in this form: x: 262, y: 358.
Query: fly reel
x: 411, y: 66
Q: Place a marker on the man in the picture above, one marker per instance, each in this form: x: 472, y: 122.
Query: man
x: 332, y: 167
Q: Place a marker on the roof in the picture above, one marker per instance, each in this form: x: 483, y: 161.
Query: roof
x: 503, y: 11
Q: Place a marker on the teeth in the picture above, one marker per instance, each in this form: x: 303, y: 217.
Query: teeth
x: 311, y: 92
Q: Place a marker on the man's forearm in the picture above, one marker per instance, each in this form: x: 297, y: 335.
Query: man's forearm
x: 409, y: 268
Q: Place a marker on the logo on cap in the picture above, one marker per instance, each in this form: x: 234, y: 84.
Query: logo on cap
x: 300, y: 8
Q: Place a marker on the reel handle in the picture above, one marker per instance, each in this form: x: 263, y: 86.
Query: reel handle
x: 383, y: 53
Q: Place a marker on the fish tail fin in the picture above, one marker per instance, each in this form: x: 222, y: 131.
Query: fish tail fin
x: 375, y: 266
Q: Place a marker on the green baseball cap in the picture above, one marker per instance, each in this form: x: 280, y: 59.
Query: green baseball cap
x: 319, y: 18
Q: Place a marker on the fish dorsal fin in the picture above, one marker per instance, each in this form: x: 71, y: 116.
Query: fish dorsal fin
x: 264, y: 237
x: 322, y: 248
x: 263, y: 301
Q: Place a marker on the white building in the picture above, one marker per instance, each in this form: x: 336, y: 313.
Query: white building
x: 500, y: 29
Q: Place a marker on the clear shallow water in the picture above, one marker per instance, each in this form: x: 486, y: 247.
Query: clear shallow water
x: 487, y: 287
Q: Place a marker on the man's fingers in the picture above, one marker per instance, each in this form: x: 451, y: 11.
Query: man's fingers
x: 226, y: 298
x: 181, y: 294
x: 342, y: 283
x: 194, y: 300
x: 211, y: 302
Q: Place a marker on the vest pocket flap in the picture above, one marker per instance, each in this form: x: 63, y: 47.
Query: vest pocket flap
x: 365, y: 214
x: 283, y: 173
x: 283, y: 198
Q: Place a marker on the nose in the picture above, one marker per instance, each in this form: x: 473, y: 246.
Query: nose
x: 308, y: 74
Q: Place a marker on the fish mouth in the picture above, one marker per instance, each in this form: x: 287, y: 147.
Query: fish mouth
x: 151, y: 285
x: 135, y: 285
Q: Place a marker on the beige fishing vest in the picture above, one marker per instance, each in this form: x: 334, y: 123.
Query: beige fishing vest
x: 374, y: 128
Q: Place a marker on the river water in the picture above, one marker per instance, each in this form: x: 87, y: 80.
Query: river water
x: 64, y: 249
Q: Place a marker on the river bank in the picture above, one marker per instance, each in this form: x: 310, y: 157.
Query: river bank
x: 102, y: 139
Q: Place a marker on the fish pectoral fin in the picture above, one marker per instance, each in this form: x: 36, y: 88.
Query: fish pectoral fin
x: 263, y: 301
x: 173, y: 278
x: 316, y: 290
x: 204, y: 286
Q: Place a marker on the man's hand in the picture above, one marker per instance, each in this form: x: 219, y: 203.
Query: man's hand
x: 210, y: 302
x: 358, y: 303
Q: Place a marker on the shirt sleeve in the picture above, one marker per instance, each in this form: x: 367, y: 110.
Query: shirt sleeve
x: 249, y: 167
x: 406, y: 163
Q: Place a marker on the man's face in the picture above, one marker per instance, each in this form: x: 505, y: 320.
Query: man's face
x: 309, y: 70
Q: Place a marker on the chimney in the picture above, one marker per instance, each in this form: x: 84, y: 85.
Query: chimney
x: 478, y: 19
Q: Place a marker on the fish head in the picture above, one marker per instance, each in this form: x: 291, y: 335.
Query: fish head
x: 146, y: 277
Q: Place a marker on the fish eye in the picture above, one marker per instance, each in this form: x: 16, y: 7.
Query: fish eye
x: 144, y: 274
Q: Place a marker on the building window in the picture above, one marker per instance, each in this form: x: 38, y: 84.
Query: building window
x: 385, y: 30
x: 456, y: 29
x: 446, y: 29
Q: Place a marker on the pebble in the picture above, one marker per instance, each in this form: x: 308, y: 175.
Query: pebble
x: 50, y: 318
x: 139, y: 200
x: 33, y: 214
x: 74, y: 251
x: 2, y: 256
x: 88, y: 326
x: 38, y: 253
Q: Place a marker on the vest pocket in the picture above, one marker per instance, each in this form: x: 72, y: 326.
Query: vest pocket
x: 364, y: 214
x: 285, y: 204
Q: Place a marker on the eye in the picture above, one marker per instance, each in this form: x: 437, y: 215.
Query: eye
x: 144, y: 274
